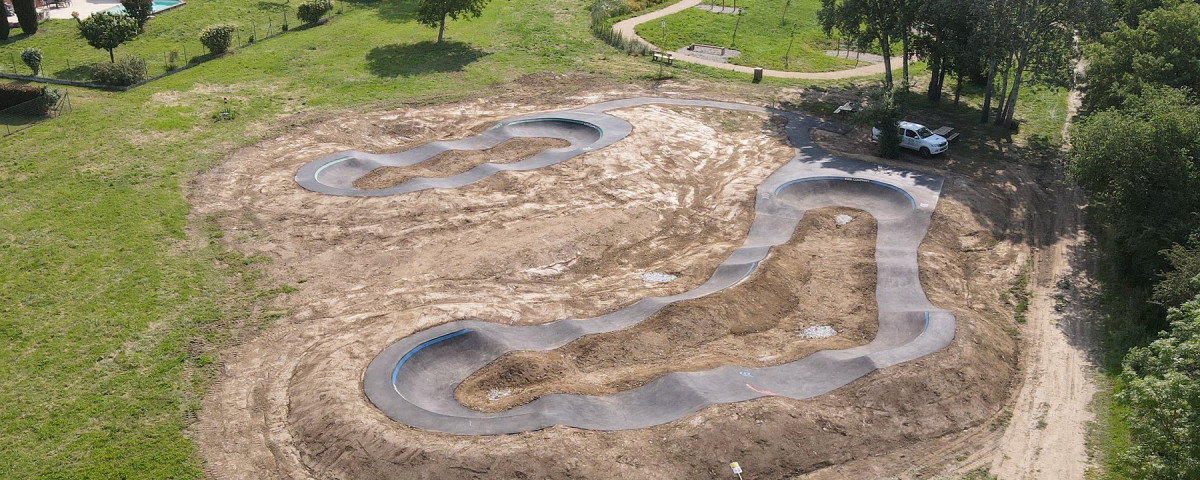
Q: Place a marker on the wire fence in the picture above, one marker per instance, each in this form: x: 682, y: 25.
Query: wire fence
x: 24, y: 115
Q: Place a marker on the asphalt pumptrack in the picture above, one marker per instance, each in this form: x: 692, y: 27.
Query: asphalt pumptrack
x: 413, y: 380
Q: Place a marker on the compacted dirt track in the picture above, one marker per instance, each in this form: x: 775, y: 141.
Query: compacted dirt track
x: 672, y: 198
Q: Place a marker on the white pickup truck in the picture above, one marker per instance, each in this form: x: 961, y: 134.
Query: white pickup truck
x: 916, y: 137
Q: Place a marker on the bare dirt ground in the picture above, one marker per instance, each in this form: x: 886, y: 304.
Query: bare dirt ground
x: 825, y: 276
x: 571, y: 240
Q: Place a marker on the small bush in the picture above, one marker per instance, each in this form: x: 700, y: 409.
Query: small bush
x: 311, y: 11
x: 126, y: 71
x: 217, y: 38
x: 33, y: 58
x: 42, y: 105
x: 15, y: 94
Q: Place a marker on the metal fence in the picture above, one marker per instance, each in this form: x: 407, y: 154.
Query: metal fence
x: 32, y: 112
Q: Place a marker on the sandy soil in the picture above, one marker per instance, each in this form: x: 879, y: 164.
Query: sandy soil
x: 759, y: 322
x: 570, y: 241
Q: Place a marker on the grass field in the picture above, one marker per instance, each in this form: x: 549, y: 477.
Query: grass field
x: 111, y: 302
x: 763, y: 34
x: 114, y: 303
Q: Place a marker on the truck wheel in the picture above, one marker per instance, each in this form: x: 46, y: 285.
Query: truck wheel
x: 924, y: 152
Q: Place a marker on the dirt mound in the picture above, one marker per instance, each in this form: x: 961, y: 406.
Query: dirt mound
x: 454, y: 162
x: 565, y: 241
x: 824, y: 276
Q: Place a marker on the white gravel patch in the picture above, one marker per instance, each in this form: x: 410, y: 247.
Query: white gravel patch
x: 655, y: 277
x: 498, y: 393
x: 841, y: 220
x: 821, y: 331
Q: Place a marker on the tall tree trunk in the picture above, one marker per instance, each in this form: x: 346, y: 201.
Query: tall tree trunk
x: 942, y: 77
x: 1000, y: 102
x: 989, y: 86
x: 886, y: 46
x: 905, y: 54
x: 111, y: 57
x: 442, y: 27
x: 958, y: 89
x: 1011, y: 106
x: 935, y: 89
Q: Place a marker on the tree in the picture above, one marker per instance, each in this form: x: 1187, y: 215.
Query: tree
x: 1162, y: 392
x: 108, y: 31
x: 866, y: 22
x: 1042, y: 46
x: 433, y: 13
x: 1163, y: 50
x: 1181, y: 282
x: 26, y: 13
x: 140, y: 10
x: 884, y: 112
x: 4, y: 29
x: 948, y: 38
x: 1138, y: 166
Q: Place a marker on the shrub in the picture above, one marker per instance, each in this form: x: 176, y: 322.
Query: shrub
x: 26, y: 13
x: 311, y: 11
x: 33, y: 58
x: 33, y: 100
x: 139, y: 10
x: 216, y: 38
x: 15, y: 94
x: 603, y: 11
x: 127, y: 71
x: 42, y: 105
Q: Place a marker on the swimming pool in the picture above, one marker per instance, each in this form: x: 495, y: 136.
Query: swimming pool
x: 159, y: 5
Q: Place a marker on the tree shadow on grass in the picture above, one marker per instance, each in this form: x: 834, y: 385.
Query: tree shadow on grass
x: 420, y: 58
x: 81, y: 73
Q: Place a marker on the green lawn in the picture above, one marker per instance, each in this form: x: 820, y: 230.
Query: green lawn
x: 112, y: 302
x: 763, y: 34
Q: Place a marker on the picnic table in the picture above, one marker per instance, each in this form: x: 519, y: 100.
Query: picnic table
x: 945, y: 132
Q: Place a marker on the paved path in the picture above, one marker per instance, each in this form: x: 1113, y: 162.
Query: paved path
x: 413, y: 380
x: 625, y: 28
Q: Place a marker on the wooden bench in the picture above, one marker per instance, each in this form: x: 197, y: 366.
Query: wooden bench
x: 665, y: 57
x: 945, y: 132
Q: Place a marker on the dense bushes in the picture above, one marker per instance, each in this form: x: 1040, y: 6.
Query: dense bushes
x: 217, y: 38
x: 604, y: 11
x: 35, y: 100
x: 15, y: 94
x: 1161, y: 390
x: 128, y: 71
x: 311, y: 11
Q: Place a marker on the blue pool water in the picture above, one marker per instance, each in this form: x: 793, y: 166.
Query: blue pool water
x: 159, y: 5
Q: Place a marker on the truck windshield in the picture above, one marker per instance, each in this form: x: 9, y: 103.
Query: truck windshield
x: 924, y: 132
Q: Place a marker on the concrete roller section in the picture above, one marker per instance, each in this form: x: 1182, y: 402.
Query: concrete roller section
x: 335, y: 174
x: 413, y: 380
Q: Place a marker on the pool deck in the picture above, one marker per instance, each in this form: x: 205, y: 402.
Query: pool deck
x: 87, y: 7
